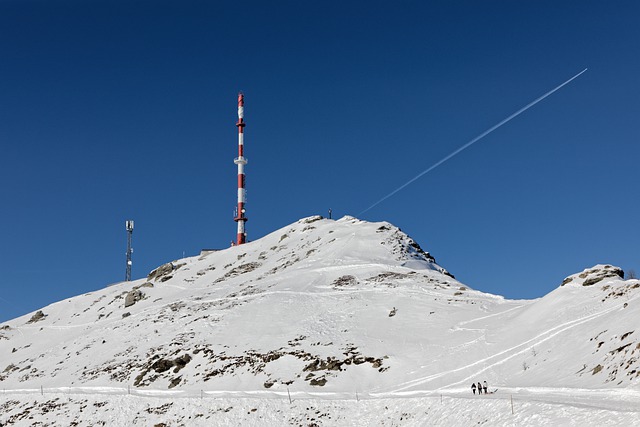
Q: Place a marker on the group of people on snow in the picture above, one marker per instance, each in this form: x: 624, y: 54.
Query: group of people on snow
x: 480, y: 387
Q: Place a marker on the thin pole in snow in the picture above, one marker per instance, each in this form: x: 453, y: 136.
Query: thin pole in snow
x: 289, y: 394
x: 512, y: 404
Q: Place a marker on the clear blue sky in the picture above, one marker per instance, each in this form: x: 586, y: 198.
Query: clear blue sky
x: 116, y: 110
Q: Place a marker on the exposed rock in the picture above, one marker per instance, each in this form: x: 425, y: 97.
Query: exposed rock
x: 162, y: 365
x: 133, y: 297
x: 347, y: 280
x: 313, y: 366
x: 393, y: 312
x: 174, y: 382
x: 241, y: 269
x: 389, y: 275
x: 318, y: 381
x: 593, y: 275
x: 162, y: 273
x: 416, y: 247
x: 37, y: 317
x: 181, y: 362
x: 127, y: 314
x: 333, y: 365
x: 311, y: 219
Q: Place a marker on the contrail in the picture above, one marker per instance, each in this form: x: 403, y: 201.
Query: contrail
x: 476, y: 139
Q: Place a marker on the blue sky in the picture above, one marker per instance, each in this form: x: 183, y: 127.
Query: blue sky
x: 116, y: 110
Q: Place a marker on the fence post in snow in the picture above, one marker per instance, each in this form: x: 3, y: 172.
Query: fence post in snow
x: 128, y: 389
x: 289, y: 394
x: 512, y: 404
x: 41, y: 391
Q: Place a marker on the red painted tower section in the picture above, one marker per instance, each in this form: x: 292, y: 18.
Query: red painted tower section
x: 241, y: 161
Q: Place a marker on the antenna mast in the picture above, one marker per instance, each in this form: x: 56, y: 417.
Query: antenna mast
x: 129, y: 226
x: 241, y: 161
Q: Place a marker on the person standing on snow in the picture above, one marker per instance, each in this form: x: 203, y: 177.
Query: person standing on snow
x: 473, y: 388
x: 484, y: 386
x: 479, y: 388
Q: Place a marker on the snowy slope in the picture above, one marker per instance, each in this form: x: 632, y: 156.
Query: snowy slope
x: 327, y: 309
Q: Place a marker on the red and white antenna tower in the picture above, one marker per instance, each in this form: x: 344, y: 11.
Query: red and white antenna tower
x: 240, y: 218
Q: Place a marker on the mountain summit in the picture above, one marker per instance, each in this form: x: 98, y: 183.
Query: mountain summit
x: 326, y: 306
x: 313, y: 304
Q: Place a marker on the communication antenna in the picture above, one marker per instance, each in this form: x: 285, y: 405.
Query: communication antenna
x: 129, y: 226
x: 241, y: 161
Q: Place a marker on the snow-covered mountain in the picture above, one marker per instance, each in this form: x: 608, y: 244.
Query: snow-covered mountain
x: 319, y: 308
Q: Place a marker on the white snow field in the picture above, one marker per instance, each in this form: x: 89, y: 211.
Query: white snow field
x: 325, y: 323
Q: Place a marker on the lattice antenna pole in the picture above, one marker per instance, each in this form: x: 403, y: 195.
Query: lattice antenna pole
x: 129, y: 227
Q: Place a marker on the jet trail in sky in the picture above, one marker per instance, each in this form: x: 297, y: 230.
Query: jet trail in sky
x: 474, y: 140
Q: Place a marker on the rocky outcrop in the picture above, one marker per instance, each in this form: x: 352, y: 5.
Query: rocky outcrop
x: 593, y: 275
x: 160, y: 365
x: 133, y: 297
x: 241, y: 269
x: 39, y: 315
x: 144, y: 285
x: 345, y: 281
x: 164, y: 272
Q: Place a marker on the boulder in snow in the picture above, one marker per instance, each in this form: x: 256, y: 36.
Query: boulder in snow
x: 39, y: 315
x: 133, y: 297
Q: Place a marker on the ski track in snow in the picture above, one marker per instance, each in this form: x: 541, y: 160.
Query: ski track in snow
x: 515, y: 350
x: 477, y: 319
